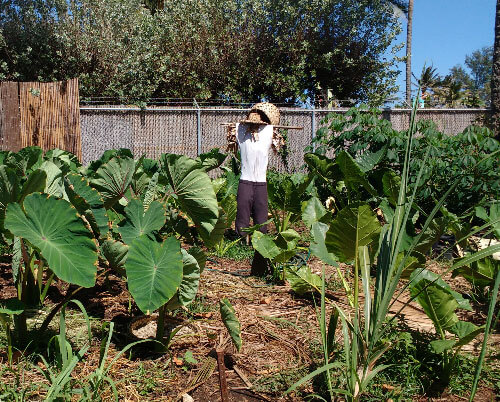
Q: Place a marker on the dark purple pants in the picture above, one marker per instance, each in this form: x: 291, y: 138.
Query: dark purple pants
x: 252, y: 203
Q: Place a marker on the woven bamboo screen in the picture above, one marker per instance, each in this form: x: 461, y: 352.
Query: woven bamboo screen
x: 10, y: 127
x: 41, y: 114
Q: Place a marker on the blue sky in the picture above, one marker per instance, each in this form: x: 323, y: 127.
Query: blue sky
x: 445, y: 31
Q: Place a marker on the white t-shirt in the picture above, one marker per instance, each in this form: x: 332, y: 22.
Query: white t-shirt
x: 254, y: 151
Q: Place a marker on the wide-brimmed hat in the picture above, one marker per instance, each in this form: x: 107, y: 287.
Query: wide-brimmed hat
x: 263, y: 113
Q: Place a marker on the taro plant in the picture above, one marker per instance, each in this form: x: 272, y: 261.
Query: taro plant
x: 356, y: 236
x: 49, y: 217
x: 58, y: 218
x: 440, y: 302
x: 362, y: 132
x: 278, y: 249
x: 160, y: 275
x: 286, y: 193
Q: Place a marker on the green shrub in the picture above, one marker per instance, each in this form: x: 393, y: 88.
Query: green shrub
x: 361, y: 130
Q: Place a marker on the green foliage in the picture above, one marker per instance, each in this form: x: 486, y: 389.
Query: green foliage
x: 139, y: 222
x: 154, y: 271
x: 286, y: 193
x: 57, y: 217
x: 362, y: 133
x: 231, y: 322
x: 53, y: 228
x: 193, y: 189
x: 117, y: 48
x: 355, y: 226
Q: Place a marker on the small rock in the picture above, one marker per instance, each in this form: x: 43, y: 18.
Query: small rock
x: 187, y: 398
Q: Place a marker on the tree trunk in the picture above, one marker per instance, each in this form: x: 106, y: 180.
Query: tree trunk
x: 495, y: 76
x: 408, y: 52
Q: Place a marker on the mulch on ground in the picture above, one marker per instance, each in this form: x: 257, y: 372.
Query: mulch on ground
x: 279, y: 331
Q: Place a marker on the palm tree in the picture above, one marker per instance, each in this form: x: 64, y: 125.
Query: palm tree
x: 428, y: 79
x: 495, y: 76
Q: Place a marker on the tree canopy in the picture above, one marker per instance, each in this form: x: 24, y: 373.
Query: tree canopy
x: 234, y: 49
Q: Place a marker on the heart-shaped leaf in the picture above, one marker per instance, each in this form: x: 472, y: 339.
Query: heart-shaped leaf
x: 154, y: 271
x: 354, y: 226
x: 113, y: 179
x: 139, y: 222
x: 193, y: 188
x: 54, y: 227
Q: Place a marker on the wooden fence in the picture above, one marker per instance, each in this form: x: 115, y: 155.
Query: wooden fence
x: 40, y: 114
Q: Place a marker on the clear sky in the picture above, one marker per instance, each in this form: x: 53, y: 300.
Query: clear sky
x: 445, y: 31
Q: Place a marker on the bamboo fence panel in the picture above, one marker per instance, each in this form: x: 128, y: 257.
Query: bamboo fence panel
x: 50, y: 115
x: 9, y: 117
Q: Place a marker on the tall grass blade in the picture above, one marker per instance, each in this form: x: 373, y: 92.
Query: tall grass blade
x: 482, y: 355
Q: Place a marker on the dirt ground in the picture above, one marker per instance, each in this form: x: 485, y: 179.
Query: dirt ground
x: 280, y: 336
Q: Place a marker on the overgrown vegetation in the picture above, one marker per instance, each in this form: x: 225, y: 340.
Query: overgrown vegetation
x: 370, y: 209
x: 125, y: 50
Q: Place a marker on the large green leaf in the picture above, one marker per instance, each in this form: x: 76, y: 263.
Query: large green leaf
x: 54, y: 227
x: 218, y: 231
x: 54, y: 185
x: 391, y: 183
x: 139, y: 222
x: 115, y: 253
x: 352, y: 173
x: 481, y: 272
x: 88, y: 202
x: 368, y: 160
x: 313, y: 212
x: 286, y: 241
x: 9, y: 190
x: 211, y: 160
x: 318, y: 246
x: 440, y: 345
x: 191, y: 273
x: 154, y: 271
x: 265, y: 245
x: 231, y: 322
x: 323, y: 166
x: 354, y: 226
x: 106, y: 157
x: 37, y: 180
x: 466, y: 332
x: 113, y: 179
x: 193, y: 188
x: 435, y: 298
x: 302, y: 280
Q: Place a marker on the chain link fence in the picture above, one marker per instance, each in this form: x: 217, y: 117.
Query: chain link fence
x: 191, y: 131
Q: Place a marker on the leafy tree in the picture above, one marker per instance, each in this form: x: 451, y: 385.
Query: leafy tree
x: 247, y: 49
x: 480, y: 63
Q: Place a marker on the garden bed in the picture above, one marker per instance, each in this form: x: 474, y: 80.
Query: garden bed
x: 280, y: 341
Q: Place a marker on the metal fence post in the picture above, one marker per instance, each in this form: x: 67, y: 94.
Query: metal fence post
x: 313, y: 128
x: 198, y: 126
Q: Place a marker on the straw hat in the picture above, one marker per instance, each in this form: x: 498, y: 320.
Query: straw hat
x: 263, y: 113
